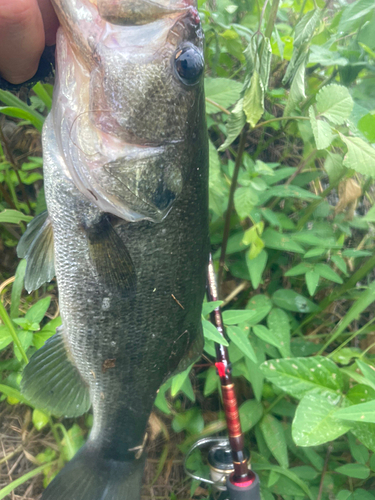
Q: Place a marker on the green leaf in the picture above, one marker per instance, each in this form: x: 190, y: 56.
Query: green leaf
x: 46, y: 332
x: 291, y: 191
x: 253, y: 102
x: 278, y: 323
x: 339, y: 262
x: 190, y: 420
x: 212, y: 382
x: 352, y: 15
x: 208, y: 307
x: 326, y: 272
x: 14, y: 102
x: 236, y: 122
x: 359, y: 451
x: 5, y: 337
x: 297, y: 89
x: 297, y: 376
x: 335, y: 103
x: 326, y: 57
x: 293, y: 301
x: 17, y: 288
x: 357, y: 471
x: 364, y: 412
x: 223, y: 91
x: 266, y: 335
x: 256, y: 267
x: 280, y: 241
x: 14, y: 393
x: 261, y: 305
x: 210, y: 332
x: 239, y: 338
x: 322, y: 131
x: 244, y: 201
x: 299, y: 269
x: 234, y: 317
x: 160, y: 401
x: 312, y: 281
x: 288, y: 473
x: 273, y: 433
x: 334, y: 167
x: 14, y: 217
x: 250, y: 413
x: 360, y: 156
x: 366, y: 298
x: 305, y: 28
x: 367, y: 370
x: 39, y: 419
x: 43, y: 94
x: 179, y: 380
x: 314, y: 422
x: 37, y: 312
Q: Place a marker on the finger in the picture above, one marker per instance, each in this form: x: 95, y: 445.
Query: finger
x: 21, y: 39
x: 50, y: 21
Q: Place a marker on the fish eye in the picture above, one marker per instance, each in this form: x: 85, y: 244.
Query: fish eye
x: 189, y: 64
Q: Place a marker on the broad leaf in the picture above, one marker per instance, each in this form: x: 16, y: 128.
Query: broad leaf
x: 250, y: 413
x: 297, y: 376
x: 235, y: 124
x: 280, y: 241
x: 256, y: 267
x: 364, y: 412
x: 239, y: 338
x: 274, y: 436
x: 278, y: 323
x: 314, y: 422
x: 335, y: 103
x: 322, y: 131
x: 253, y: 102
x: 360, y: 156
x: 293, y: 301
x: 223, y: 91
x: 14, y: 217
x: 210, y: 332
x: 357, y: 471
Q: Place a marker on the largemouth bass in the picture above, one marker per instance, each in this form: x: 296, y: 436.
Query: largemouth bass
x: 125, y: 166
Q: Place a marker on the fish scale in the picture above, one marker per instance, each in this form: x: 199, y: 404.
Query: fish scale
x: 126, y: 182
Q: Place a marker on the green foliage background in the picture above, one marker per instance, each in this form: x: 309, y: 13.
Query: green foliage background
x: 290, y: 92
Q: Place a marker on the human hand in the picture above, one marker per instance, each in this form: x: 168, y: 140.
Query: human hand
x: 26, y: 27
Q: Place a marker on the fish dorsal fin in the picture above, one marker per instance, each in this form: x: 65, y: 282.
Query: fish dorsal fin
x: 36, y: 246
x: 110, y: 258
x: 52, y: 382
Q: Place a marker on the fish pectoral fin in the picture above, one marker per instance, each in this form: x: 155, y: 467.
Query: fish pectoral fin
x: 53, y: 383
x: 36, y: 246
x: 110, y: 257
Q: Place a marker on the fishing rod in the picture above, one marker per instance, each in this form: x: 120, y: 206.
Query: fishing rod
x: 231, y: 477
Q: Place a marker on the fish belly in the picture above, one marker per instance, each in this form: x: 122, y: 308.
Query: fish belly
x: 125, y: 341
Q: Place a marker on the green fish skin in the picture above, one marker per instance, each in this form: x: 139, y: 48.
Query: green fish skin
x: 126, y: 176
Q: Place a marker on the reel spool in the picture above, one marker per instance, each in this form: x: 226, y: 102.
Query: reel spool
x: 220, y: 461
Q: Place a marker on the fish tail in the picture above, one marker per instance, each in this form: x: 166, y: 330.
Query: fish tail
x: 90, y: 476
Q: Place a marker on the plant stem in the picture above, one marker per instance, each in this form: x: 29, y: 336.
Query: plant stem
x: 233, y: 186
x: 210, y: 101
x: 8, y: 323
x: 272, y: 18
x: 349, y: 339
x: 329, y: 451
x: 279, y: 119
x: 4, y: 492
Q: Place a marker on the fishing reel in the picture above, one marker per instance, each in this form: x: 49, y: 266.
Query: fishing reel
x: 225, y: 486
